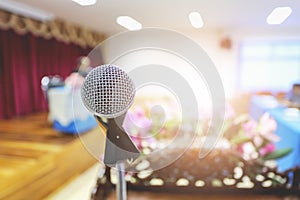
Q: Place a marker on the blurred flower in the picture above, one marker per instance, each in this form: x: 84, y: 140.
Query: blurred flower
x: 269, y: 148
x: 268, y: 122
x: 258, y: 141
x: 138, y: 126
x: 153, y: 124
x: 250, y: 128
x: 267, y: 128
x: 248, y: 150
x: 254, y: 139
x: 136, y: 123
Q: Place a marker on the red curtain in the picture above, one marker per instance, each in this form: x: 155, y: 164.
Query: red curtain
x: 24, y: 60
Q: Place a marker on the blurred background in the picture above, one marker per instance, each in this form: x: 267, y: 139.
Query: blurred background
x: 44, y: 48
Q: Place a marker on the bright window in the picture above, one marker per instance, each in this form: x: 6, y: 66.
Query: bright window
x: 269, y: 65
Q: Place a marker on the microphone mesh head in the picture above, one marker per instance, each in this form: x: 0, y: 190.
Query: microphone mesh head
x: 107, y: 91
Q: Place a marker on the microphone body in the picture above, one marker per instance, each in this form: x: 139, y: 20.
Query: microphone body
x: 108, y: 92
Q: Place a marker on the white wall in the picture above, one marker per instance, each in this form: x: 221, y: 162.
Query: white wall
x: 227, y: 60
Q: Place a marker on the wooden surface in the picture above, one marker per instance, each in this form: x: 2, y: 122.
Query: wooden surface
x: 79, y: 188
x: 35, y: 159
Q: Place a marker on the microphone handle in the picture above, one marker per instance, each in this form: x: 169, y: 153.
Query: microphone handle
x: 119, y: 146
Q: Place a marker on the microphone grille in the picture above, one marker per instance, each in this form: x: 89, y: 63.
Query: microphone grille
x: 107, y: 91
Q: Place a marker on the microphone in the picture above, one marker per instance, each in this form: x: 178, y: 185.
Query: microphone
x: 108, y: 92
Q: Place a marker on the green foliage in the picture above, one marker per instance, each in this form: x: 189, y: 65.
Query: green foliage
x: 279, y: 153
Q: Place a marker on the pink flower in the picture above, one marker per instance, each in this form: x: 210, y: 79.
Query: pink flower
x: 271, y: 137
x: 250, y: 128
x: 267, y: 128
x: 240, y: 149
x: 269, y: 148
x: 268, y: 123
x: 139, y: 112
x: 258, y: 141
x: 138, y: 126
x: 136, y: 123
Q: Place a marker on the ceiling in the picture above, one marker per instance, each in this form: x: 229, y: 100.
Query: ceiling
x: 171, y: 14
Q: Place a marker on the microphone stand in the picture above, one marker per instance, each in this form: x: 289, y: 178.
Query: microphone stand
x: 118, y: 148
x: 121, y: 191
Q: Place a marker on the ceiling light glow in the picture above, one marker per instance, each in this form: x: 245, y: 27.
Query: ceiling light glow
x: 196, y: 20
x: 26, y: 10
x: 85, y: 2
x: 129, y: 23
x: 279, y: 15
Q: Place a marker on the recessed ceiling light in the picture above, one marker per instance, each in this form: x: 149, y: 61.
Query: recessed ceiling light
x: 85, y: 2
x: 279, y: 15
x: 129, y: 23
x: 196, y: 20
